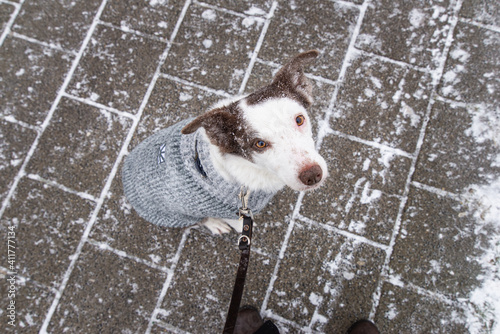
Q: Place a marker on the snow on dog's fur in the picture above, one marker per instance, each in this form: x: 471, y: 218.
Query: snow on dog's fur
x: 264, y: 140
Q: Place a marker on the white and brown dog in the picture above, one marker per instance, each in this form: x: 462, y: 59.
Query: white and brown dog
x: 192, y: 171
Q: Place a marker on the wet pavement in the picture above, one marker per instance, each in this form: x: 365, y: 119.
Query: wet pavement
x: 404, y: 232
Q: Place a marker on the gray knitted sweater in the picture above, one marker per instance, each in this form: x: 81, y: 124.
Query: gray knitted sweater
x: 168, y: 186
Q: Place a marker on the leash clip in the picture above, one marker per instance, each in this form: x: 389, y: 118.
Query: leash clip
x: 246, y: 217
x: 244, y: 211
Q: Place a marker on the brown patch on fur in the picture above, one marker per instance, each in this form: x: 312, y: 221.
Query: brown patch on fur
x: 226, y: 129
x: 290, y: 82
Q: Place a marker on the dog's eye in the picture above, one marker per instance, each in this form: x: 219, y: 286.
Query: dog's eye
x: 260, y: 144
x: 300, y: 120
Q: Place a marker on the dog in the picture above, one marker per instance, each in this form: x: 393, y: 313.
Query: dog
x: 192, y: 172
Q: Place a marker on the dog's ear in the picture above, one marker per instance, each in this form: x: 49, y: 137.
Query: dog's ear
x: 291, y: 76
x: 221, y: 127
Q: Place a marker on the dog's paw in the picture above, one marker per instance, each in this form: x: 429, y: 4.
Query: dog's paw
x: 216, y: 226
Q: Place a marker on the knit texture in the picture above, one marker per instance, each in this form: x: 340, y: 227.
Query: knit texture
x: 163, y: 184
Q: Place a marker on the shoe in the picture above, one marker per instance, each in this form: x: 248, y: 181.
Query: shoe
x: 363, y: 327
x: 248, y: 320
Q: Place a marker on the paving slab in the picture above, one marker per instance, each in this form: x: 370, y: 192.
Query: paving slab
x: 213, y: 44
x: 79, y: 148
x: 406, y: 311
x: 6, y: 10
x: 16, y: 141
x: 331, y: 24
x: 32, y: 75
x: 382, y: 102
x: 119, y: 287
x: 207, y: 283
x: 50, y: 222
x: 483, y: 11
x: 413, y: 32
x: 116, y: 69
x: 63, y: 24
x: 472, y: 61
x: 33, y: 301
x: 155, y: 18
x: 437, y: 245
x: 458, y: 154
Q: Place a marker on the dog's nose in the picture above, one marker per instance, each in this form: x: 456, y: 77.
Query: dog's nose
x: 311, y: 176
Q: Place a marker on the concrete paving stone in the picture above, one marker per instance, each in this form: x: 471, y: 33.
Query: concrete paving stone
x: 404, y: 311
x: 437, y: 246
x: 116, y: 69
x: 79, y: 147
x: 410, y: 31
x: 120, y: 227
x: 198, y: 297
x: 62, y: 23
x: 263, y: 74
x: 458, y: 154
x: 382, y: 102
x: 6, y: 10
x: 483, y: 11
x: 31, y: 77
x: 107, y: 292
x: 32, y: 302
x: 15, y: 141
x: 169, y: 103
x: 318, y: 277
x: 472, y: 71
x: 255, y: 7
x: 363, y: 189
x: 156, y: 18
x: 49, y: 224
x: 213, y: 48
x: 296, y: 23
x: 271, y: 224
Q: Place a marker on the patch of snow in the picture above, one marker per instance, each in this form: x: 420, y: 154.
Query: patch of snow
x: 94, y: 97
x: 366, y: 164
x: 207, y: 43
x: 392, y: 312
x: 484, y: 202
x: 315, y: 299
x: 417, y: 17
x: 348, y: 275
x: 255, y: 11
x: 209, y: 15
x: 369, y: 195
x: 408, y: 112
x: 183, y: 96
x: 248, y: 21
x: 485, y: 300
x: 460, y: 55
x: 485, y: 125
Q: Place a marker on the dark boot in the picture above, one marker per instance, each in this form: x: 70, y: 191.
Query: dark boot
x: 248, y: 321
x: 363, y: 327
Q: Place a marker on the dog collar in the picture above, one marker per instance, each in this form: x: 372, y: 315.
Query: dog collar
x: 197, y: 161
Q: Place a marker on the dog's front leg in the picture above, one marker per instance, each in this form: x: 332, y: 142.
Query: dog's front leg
x: 220, y: 226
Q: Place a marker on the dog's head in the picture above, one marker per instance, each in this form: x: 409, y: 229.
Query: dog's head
x: 270, y: 128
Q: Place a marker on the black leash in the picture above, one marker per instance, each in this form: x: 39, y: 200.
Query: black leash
x: 244, y: 245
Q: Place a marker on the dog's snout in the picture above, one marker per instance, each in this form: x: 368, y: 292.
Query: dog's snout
x: 311, y: 176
